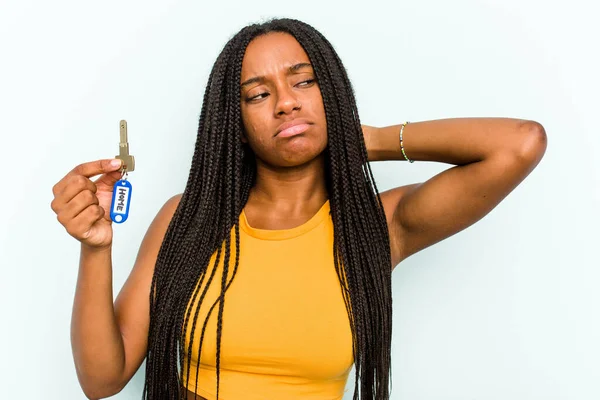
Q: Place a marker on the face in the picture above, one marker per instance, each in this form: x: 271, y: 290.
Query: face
x: 278, y: 86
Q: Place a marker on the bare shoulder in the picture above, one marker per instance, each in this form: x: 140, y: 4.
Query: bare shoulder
x: 132, y: 304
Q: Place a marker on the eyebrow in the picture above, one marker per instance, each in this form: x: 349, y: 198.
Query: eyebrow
x: 294, y: 68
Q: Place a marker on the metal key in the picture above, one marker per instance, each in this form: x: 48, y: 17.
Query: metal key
x: 128, y: 160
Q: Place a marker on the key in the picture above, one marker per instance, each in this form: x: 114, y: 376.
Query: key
x: 121, y: 199
x: 128, y: 160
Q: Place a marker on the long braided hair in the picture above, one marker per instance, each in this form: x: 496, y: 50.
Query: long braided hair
x: 222, y: 173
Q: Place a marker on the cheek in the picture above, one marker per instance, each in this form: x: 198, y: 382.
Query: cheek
x: 321, y: 109
x: 315, y: 103
x: 248, y: 122
x: 255, y: 129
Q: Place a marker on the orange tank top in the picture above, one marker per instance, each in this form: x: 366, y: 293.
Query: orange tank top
x: 285, y: 329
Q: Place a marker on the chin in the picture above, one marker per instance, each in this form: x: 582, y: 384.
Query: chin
x: 299, y: 159
x: 301, y: 147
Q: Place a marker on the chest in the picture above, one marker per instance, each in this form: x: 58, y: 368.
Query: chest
x: 284, y: 313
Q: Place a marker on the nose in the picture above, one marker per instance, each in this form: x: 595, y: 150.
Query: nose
x: 287, y: 101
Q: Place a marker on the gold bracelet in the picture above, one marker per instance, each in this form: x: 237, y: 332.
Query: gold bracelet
x: 402, y: 144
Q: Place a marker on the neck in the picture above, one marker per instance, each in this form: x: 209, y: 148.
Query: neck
x: 290, y: 188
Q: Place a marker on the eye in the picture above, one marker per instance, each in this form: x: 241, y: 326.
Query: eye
x: 308, y: 82
x: 305, y: 83
x: 257, y: 97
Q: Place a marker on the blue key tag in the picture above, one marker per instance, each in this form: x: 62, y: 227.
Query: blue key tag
x: 119, y: 209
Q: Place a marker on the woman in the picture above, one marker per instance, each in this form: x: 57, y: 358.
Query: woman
x: 281, y: 214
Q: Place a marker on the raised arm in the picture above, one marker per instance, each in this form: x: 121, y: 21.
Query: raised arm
x: 491, y: 157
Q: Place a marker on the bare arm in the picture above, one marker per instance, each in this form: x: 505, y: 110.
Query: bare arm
x: 95, y: 337
x: 109, y: 342
x: 491, y: 157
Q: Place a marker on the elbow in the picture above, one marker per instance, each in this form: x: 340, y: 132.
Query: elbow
x: 94, y: 388
x: 94, y: 392
x: 533, y: 143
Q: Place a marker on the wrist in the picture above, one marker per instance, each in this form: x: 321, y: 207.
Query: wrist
x: 370, y: 137
x: 95, y: 249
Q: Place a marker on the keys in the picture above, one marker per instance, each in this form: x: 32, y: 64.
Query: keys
x: 128, y: 160
x: 121, y: 199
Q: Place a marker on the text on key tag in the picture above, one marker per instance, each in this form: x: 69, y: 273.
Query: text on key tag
x: 119, y: 210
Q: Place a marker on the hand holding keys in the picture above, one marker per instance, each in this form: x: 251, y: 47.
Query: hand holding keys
x: 119, y: 209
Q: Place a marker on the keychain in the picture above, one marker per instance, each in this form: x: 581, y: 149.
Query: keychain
x: 119, y: 209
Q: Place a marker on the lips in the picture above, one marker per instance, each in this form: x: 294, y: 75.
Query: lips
x: 295, y: 126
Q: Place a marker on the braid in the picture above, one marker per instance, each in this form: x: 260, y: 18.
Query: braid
x: 222, y: 173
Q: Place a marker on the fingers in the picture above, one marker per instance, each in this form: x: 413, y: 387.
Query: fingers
x: 82, y: 201
x: 76, y: 203
x: 80, y: 226
x: 107, y: 181
x: 72, y: 185
x: 87, y: 170
x: 98, y: 167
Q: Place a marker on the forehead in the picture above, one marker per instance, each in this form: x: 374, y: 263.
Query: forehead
x: 270, y: 53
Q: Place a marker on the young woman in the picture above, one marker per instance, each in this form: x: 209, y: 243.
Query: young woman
x: 270, y: 275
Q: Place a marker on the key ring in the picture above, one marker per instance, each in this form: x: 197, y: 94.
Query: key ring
x: 121, y: 196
